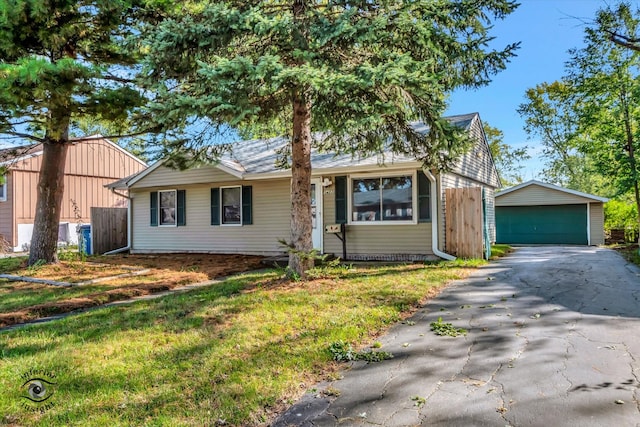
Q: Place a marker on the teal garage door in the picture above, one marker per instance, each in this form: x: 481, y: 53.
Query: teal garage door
x: 557, y: 224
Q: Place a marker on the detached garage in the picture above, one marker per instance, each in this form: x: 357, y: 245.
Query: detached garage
x: 538, y: 213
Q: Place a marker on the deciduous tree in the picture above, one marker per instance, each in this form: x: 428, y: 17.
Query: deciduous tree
x: 606, y: 77
x: 506, y: 158
x: 551, y: 117
x: 359, y: 71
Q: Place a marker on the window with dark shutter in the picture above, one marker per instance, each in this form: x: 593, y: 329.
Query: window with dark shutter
x: 181, y: 207
x: 228, y: 203
x: 247, y: 211
x: 215, y: 206
x: 341, y: 199
x: 424, y: 198
x: 154, y: 208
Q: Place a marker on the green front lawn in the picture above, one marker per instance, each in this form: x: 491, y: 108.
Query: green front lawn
x: 235, y: 353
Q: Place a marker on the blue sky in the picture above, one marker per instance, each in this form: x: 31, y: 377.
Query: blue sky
x: 547, y: 29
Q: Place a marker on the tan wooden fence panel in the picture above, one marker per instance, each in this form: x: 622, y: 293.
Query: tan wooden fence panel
x: 108, y: 229
x: 464, y: 222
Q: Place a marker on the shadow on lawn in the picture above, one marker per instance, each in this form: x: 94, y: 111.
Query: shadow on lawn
x: 553, y: 338
x: 197, y: 354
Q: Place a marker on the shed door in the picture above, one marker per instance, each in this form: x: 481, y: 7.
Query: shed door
x: 557, y: 224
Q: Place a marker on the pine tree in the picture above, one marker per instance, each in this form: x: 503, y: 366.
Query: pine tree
x: 61, y: 60
x: 359, y: 71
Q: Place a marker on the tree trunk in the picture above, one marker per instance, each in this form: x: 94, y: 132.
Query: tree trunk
x: 302, y: 245
x: 44, y: 240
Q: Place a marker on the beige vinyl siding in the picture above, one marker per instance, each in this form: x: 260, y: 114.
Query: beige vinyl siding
x: 375, y: 240
x: 596, y: 226
x: 271, y: 218
x: 6, y: 213
x: 164, y: 176
x: 489, y: 194
x: 537, y: 195
x: 477, y: 163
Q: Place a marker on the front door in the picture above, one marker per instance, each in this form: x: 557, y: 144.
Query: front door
x: 316, y: 214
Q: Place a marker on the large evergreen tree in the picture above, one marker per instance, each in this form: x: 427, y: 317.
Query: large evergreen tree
x: 61, y: 60
x: 359, y: 71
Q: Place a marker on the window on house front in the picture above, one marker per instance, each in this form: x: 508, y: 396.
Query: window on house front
x: 3, y: 188
x: 231, y: 205
x: 382, y: 199
x: 400, y: 199
x: 167, y: 207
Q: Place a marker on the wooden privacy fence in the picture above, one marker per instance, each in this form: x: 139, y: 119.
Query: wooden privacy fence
x: 108, y: 229
x: 464, y: 222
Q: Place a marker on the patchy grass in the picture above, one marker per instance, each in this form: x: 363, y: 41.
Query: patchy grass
x: 10, y: 264
x: 24, y: 301
x: 629, y: 251
x: 500, y: 250
x: 234, y: 353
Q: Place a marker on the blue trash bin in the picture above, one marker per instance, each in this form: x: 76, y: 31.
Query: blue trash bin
x: 85, y: 239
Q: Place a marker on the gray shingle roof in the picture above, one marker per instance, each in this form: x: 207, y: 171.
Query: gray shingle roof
x: 260, y: 156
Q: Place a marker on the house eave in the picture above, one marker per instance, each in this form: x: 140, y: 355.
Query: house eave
x: 343, y: 170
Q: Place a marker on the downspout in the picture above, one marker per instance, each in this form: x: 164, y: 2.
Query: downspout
x: 434, y: 218
x: 126, y: 248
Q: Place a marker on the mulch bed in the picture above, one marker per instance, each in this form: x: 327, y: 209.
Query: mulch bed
x: 172, y: 270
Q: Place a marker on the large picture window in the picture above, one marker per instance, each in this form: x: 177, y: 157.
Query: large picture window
x: 382, y: 199
x: 167, y: 205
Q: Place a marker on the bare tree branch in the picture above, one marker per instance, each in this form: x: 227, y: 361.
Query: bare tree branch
x: 24, y: 135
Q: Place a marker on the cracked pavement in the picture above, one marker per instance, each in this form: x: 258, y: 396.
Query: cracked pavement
x: 553, y: 339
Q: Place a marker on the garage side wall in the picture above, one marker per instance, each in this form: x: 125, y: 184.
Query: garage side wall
x: 596, y: 215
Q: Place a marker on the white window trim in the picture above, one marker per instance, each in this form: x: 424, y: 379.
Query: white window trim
x: 175, y: 197
x: 414, y: 197
x: 222, y: 224
x: 3, y: 198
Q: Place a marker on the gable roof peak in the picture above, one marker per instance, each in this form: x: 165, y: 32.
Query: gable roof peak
x: 551, y: 187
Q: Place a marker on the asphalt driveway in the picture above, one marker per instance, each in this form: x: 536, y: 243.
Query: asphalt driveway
x: 553, y: 340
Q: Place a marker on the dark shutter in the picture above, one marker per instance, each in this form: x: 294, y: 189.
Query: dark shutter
x: 154, y: 208
x: 341, y: 199
x: 424, y: 198
x: 181, y: 204
x: 247, y: 217
x: 215, y: 206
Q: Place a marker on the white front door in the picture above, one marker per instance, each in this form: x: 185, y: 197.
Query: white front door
x: 316, y: 214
